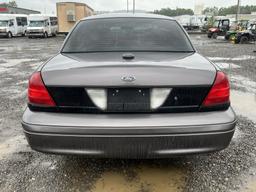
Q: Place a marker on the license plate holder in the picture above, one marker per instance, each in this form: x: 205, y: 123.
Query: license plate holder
x: 128, y: 100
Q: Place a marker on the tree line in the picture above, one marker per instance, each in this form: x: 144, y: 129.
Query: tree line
x: 223, y: 11
x: 174, y: 12
x: 12, y: 3
x: 214, y: 11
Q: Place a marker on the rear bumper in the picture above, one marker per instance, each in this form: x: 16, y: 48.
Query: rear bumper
x: 35, y: 34
x: 130, y: 146
x: 126, y: 138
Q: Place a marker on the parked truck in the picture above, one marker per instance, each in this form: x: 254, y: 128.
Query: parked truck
x: 13, y: 25
x: 191, y: 22
x: 42, y: 25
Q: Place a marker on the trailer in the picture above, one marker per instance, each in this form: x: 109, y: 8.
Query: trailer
x: 192, y: 22
x: 69, y: 13
x: 12, y: 25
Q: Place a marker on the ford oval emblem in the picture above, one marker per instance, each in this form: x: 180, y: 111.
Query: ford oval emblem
x: 128, y: 79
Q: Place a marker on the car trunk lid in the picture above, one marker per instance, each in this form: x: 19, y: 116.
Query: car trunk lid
x: 109, y: 69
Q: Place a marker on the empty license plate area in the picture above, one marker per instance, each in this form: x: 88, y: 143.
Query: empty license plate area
x: 128, y: 100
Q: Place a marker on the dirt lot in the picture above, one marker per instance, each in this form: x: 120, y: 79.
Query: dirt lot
x: 22, y: 169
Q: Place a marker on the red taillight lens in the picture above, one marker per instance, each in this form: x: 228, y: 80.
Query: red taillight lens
x: 37, y: 92
x: 220, y: 91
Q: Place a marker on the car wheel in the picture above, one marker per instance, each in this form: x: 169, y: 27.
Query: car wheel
x: 214, y: 35
x: 209, y: 36
x: 45, y: 35
x: 9, y: 34
x: 244, y: 40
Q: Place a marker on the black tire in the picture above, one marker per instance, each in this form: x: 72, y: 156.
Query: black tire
x: 209, y: 35
x: 244, y: 40
x: 24, y: 34
x: 54, y: 34
x: 9, y: 35
x: 214, y: 35
x: 45, y: 35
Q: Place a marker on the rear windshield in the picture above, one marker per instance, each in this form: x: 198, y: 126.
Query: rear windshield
x: 127, y: 34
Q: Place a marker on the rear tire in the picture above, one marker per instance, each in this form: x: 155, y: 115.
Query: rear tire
x: 244, y: 40
x: 214, y: 35
x: 209, y: 36
x: 54, y: 34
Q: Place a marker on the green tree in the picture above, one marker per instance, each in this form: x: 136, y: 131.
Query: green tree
x: 212, y: 11
x: 12, y: 3
x: 223, y: 11
x: 174, y: 12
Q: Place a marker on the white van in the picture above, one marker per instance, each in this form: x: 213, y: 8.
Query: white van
x: 42, y: 25
x: 13, y: 25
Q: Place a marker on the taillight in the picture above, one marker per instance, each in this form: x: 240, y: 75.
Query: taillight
x: 220, y: 91
x: 37, y: 92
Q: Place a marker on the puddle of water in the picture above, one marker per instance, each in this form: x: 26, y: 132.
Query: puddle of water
x: 244, y: 104
x: 244, y: 57
x: 147, y: 179
x: 35, y: 65
x: 239, y: 58
x: 220, y: 38
x: 223, y: 65
x: 13, y: 62
x: 244, y: 82
x: 3, y: 70
x: 25, y: 82
x: 8, y: 65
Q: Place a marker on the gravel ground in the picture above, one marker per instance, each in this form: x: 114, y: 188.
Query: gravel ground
x: 22, y: 169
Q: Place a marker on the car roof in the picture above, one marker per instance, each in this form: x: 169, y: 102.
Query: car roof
x: 127, y: 15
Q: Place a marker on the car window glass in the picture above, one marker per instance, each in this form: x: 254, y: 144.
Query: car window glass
x: 128, y: 34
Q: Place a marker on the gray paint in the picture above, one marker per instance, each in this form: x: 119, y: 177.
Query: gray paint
x: 139, y: 146
x: 107, y: 69
x: 129, y: 135
x: 133, y: 124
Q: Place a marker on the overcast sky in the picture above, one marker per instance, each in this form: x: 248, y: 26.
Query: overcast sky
x: 49, y: 6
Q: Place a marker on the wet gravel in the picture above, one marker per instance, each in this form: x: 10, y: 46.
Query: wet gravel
x: 22, y: 169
